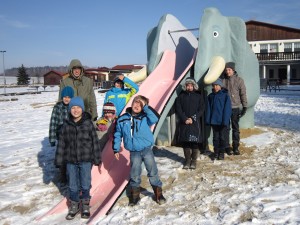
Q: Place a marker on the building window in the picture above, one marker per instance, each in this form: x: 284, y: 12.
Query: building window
x: 264, y: 48
x: 294, y: 74
x: 297, y: 47
x: 288, y: 47
x: 273, y: 47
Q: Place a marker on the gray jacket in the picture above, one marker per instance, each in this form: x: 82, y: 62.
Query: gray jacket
x: 236, y: 90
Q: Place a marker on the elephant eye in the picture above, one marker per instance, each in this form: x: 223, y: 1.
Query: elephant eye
x: 216, y: 33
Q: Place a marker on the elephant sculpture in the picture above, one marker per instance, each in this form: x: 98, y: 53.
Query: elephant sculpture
x: 223, y: 39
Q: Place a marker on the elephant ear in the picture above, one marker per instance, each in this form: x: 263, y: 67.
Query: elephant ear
x: 238, y: 42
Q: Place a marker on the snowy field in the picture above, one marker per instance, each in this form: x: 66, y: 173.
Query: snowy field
x: 261, y: 186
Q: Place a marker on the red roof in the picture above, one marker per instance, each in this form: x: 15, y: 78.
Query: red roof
x: 126, y: 67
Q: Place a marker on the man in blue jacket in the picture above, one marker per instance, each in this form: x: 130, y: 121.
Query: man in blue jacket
x: 134, y: 128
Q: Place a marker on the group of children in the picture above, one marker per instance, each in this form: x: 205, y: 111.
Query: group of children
x: 80, y: 142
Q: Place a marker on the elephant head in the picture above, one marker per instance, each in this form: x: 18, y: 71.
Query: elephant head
x: 162, y: 37
x: 223, y: 39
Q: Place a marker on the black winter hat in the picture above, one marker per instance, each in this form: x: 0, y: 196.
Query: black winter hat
x: 230, y: 65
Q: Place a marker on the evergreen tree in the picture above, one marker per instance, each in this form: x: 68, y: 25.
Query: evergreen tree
x: 23, y: 77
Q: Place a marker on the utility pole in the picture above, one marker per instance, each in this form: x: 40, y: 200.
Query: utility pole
x: 4, y: 72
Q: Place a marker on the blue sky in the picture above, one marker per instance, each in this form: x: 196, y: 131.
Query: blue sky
x: 110, y: 32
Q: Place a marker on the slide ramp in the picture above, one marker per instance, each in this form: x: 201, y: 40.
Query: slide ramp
x: 108, y: 185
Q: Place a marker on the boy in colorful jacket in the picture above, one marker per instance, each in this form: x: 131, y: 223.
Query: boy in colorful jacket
x: 119, y: 95
x: 134, y: 128
x: 218, y: 112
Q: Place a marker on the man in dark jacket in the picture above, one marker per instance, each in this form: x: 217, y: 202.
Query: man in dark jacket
x: 237, y: 92
x: 82, y: 86
x: 189, y: 109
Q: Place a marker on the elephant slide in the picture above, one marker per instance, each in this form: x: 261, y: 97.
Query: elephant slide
x: 223, y: 39
x: 110, y: 183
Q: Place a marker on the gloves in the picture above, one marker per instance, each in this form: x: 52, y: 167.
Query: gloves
x: 243, y: 112
x: 52, y: 144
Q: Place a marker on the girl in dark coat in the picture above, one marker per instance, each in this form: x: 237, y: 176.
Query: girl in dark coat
x: 190, y: 108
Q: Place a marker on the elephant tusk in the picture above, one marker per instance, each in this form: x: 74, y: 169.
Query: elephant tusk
x: 216, y: 68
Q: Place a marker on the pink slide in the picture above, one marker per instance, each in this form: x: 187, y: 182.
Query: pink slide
x: 110, y: 183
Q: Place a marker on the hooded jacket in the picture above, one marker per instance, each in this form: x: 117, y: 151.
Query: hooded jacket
x: 78, y: 142
x: 135, y: 130
x: 120, y: 96
x: 218, y: 108
x: 190, y: 104
x: 237, y: 90
x: 83, y: 87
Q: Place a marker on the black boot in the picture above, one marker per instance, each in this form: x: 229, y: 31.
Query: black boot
x: 73, y: 210
x: 85, y: 213
x: 158, y: 196
x: 187, y: 156
x: 236, y: 150
x: 228, y: 151
x: 195, y: 153
x: 135, y: 196
x: 221, y: 154
x: 216, y: 153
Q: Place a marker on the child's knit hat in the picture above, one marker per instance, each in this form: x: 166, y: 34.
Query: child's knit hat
x: 218, y: 82
x: 76, y: 101
x: 109, y: 107
x: 67, y: 91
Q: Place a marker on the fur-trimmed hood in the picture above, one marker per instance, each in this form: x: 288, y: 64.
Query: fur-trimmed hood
x: 190, y: 80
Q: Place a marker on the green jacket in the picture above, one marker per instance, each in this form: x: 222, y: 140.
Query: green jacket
x: 83, y: 87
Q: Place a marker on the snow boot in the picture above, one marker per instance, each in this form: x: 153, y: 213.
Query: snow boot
x: 85, y: 211
x: 228, y: 151
x: 158, y: 196
x: 236, y: 150
x: 221, y: 154
x: 73, y: 210
x: 195, y: 153
x: 135, y: 196
x: 187, y: 156
x: 216, y: 153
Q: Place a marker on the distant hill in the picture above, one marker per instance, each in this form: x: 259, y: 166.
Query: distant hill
x: 35, y: 71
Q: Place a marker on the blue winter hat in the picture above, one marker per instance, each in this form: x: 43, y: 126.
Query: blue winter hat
x: 67, y: 91
x: 76, y: 101
x: 218, y: 82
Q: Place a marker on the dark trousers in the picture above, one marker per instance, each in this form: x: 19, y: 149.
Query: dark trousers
x: 219, y: 136
x: 235, y: 129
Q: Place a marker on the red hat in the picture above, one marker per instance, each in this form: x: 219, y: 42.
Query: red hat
x: 109, y: 107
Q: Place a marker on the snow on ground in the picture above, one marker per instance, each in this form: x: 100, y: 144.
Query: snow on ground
x: 261, y: 186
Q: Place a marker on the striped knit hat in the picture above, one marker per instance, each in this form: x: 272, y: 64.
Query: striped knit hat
x: 109, y: 107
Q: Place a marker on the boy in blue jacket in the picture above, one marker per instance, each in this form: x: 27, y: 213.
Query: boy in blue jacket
x: 218, y: 112
x: 134, y: 128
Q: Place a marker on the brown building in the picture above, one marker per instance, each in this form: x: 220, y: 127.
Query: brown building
x: 52, y: 78
x: 277, y: 49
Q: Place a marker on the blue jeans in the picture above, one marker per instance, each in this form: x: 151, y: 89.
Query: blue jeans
x: 136, y: 159
x: 79, y: 177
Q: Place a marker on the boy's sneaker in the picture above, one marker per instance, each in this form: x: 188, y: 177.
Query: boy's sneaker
x: 73, y: 210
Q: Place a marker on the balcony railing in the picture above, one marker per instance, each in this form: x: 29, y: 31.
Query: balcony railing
x: 278, y: 56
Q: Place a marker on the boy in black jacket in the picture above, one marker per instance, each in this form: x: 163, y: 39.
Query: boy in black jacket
x: 79, y: 149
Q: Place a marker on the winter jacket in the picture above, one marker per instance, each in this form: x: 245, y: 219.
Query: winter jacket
x: 83, y: 87
x: 59, y: 114
x: 190, y: 105
x: 237, y: 90
x: 135, y: 130
x: 218, y: 108
x: 120, y: 96
x: 78, y: 142
x: 105, y: 129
